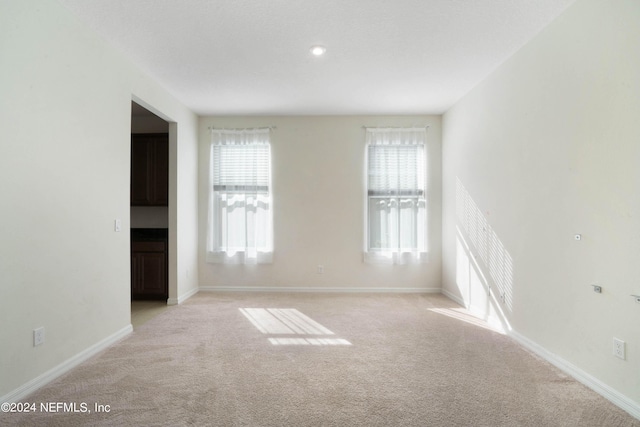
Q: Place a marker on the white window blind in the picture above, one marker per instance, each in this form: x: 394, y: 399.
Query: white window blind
x: 240, y: 216
x: 396, y: 229
x: 241, y: 168
x: 396, y: 170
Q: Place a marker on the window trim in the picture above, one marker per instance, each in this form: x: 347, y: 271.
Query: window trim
x: 396, y: 255
x: 215, y: 252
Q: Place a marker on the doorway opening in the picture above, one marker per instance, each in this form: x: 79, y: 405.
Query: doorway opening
x: 149, y: 214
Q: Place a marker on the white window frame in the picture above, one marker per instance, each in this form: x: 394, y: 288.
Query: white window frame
x: 240, y: 210
x: 400, y: 194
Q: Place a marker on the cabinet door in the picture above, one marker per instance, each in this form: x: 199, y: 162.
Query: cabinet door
x: 136, y: 283
x: 140, y: 170
x: 161, y: 171
x: 149, y: 169
x: 149, y: 270
x: 154, y: 274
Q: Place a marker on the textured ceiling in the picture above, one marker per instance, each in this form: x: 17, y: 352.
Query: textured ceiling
x: 246, y: 57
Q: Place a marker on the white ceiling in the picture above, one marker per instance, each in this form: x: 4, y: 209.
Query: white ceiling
x: 250, y: 57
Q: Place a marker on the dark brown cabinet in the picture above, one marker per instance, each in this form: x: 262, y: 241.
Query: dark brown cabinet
x: 150, y: 169
x: 149, y: 270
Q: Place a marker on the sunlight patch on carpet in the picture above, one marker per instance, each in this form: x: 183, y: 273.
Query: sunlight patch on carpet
x: 459, y: 314
x: 289, y: 321
x: 309, y: 341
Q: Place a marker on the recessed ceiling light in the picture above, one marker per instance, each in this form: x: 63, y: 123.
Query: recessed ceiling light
x: 318, y: 50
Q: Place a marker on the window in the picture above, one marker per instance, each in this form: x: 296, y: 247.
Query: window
x: 396, y: 217
x: 240, y: 218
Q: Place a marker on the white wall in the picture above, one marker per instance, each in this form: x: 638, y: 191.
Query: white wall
x: 183, y: 209
x: 547, y: 147
x: 318, y: 191
x: 65, y: 115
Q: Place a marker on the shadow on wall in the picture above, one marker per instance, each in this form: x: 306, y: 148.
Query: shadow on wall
x: 484, y: 268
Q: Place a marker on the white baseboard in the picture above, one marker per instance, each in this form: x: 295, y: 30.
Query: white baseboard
x: 615, y: 397
x: 182, y: 298
x: 453, y: 297
x: 42, y: 380
x: 318, y: 290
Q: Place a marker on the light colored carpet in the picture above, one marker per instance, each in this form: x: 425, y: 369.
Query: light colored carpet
x: 414, y: 360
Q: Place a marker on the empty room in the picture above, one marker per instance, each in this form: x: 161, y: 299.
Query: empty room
x: 341, y: 213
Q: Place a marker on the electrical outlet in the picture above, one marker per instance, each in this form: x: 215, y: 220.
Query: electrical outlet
x: 38, y: 336
x: 618, y: 348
